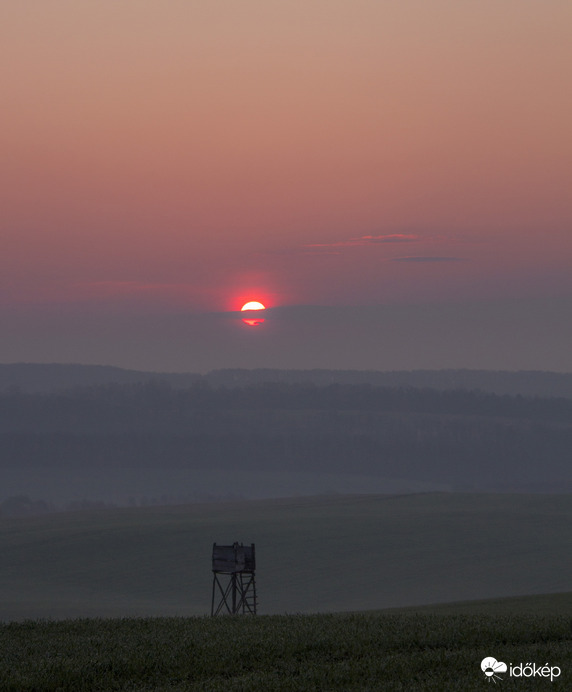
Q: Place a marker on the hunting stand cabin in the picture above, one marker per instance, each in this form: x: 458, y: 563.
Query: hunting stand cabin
x: 233, y: 579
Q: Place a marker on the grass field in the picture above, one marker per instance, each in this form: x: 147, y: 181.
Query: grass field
x: 326, y: 554
x: 438, y: 649
x: 315, y: 556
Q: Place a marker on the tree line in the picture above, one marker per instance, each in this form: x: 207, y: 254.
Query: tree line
x: 470, y: 440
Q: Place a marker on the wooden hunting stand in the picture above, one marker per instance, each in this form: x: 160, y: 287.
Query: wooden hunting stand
x: 233, y: 574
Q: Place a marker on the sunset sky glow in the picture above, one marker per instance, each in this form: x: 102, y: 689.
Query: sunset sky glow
x: 170, y: 161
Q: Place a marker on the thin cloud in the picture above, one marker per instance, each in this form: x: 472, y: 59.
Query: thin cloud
x: 368, y: 240
x: 133, y: 289
x: 391, y: 238
x: 429, y: 259
x: 131, y: 286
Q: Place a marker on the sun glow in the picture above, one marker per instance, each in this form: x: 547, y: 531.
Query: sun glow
x: 253, y: 305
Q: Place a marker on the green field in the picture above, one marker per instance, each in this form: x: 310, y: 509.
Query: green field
x: 329, y: 554
x: 400, y: 650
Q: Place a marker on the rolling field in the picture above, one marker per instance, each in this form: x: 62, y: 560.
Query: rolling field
x: 440, y: 651
x: 314, y: 555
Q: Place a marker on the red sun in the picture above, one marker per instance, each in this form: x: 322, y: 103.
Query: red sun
x: 249, y: 307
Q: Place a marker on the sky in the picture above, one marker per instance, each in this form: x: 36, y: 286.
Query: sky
x: 391, y: 179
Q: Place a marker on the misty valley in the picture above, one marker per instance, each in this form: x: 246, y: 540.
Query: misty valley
x: 172, y: 442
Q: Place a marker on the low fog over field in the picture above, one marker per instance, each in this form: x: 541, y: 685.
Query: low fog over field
x: 312, y: 554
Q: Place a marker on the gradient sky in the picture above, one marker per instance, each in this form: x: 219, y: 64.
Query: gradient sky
x: 378, y: 173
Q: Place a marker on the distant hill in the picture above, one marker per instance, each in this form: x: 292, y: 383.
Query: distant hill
x: 49, y: 377
x: 36, y: 377
x: 525, y: 383
x: 148, y: 443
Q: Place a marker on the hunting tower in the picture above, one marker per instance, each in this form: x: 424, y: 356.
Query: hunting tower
x: 233, y: 576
